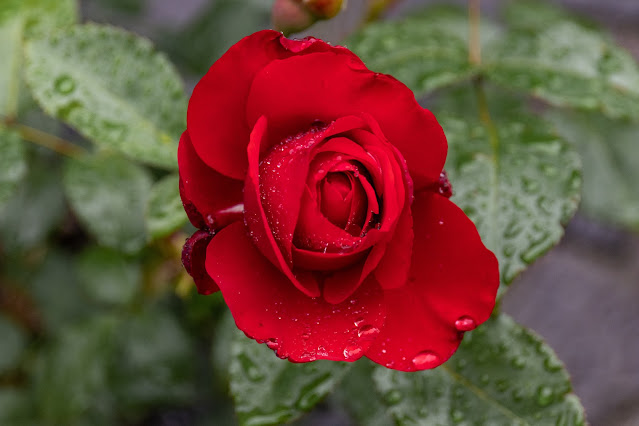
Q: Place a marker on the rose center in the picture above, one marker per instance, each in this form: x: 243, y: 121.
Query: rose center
x: 338, y: 202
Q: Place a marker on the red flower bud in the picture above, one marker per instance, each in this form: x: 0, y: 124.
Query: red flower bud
x: 324, y: 9
x: 291, y: 16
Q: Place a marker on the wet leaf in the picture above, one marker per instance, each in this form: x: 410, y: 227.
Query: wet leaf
x: 13, y: 343
x: 71, y: 380
x: 54, y: 277
x: 13, y: 165
x: 354, y: 393
x: 165, y: 212
x: 610, y: 153
x: 501, y: 374
x: 536, y: 15
x: 270, y: 391
x: 567, y: 64
x: 154, y: 362
x: 520, y: 186
x: 109, y: 195
x: 130, y: 100
x: 36, y: 207
x: 15, y: 407
x: 19, y: 20
x: 426, y: 52
x: 216, y: 28
x: 108, y: 276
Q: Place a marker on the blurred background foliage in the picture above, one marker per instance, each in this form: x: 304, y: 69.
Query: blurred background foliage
x: 99, y: 324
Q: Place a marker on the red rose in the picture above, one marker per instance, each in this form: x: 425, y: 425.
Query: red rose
x: 318, y: 188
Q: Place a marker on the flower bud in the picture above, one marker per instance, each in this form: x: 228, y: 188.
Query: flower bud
x: 324, y: 9
x: 291, y: 16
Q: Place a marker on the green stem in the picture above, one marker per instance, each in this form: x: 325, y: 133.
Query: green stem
x: 47, y: 140
x: 474, y: 45
x: 377, y: 7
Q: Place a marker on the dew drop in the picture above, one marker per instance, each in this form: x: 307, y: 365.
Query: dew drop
x: 393, y: 397
x: 272, y: 344
x: 426, y: 359
x: 358, y: 321
x: 501, y: 385
x: 64, y: 85
x: 552, y: 365
x: 352, y: 351
x: 465, y: 323
x: 517, y: 395
x: 518, y: 362
x: 368, y: 332
x: 457, y: 416
x: 544, y: 396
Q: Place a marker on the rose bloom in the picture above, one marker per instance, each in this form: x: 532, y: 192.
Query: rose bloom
x: 319, y: 192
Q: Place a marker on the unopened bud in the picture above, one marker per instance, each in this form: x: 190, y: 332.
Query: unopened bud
x: 291, y: 16
x: 324, y: 9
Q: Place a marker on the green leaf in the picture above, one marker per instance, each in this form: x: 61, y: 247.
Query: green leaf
x: 569, y: 65
x: 15, y: 407
x: 610, y: 153
x: 154, y: 363
x: 270, y: 391
x: 108, y: 276
x: 71, y: 376
x: 518, y: 186
x: 13, y: 166
x: 20, y: 19
x: 13, y: 343
x: 425, y: 52
x: 354, y: 393
x: 165, y: 213
x: 129, y: 99
x: 502, y: 374
x: 109, y: 195
x: 34, y: 209
x: 217, y: 27
x: 55, y: 277
x: 536, y: 15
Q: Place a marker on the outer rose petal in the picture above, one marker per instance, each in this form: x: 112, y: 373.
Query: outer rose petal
x: 215, y: 117
x: 393, y: 269
x: 213, y: 195
x: 267, y: 307
x: 293, y: 93
x: 452, y: 276
x: 193, y: 255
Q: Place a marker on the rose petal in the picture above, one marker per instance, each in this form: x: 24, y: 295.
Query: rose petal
x: 392, y: 270
x: 215, y: 117
x: 295, y: 92
x: 193, y: 259
x: 257, y: 221
x: 268, y: 308
x: 216, y: 198
x: 452, y: 276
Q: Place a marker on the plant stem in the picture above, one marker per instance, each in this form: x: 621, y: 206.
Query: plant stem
x: 377, y: 7
x: 47, y: 140
x: 474, y: 45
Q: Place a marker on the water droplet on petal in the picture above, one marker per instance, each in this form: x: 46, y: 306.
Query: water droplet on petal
x: 368, y: 332
x: 359, y: 321
x: 352, y: 351
x: 272, y: 344
x: 465, y: 323
x: 426, y: 359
